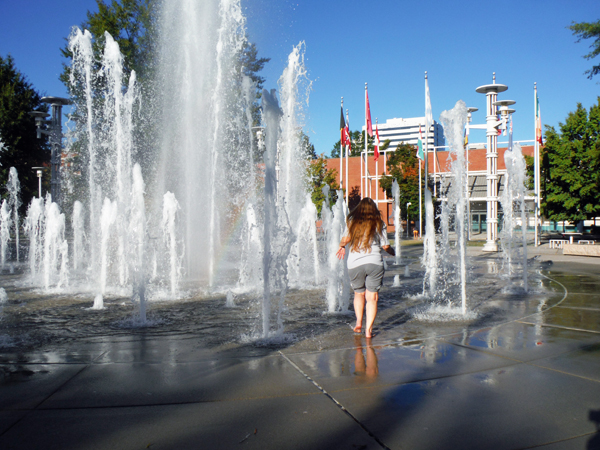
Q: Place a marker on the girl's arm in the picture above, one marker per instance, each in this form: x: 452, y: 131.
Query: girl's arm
x: 389, y: 249
x: 342, y: 250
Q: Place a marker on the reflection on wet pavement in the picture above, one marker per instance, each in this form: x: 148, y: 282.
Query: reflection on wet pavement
x: 366, y: 367
x: 524, y: 372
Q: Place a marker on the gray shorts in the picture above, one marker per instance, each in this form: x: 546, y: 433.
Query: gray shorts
x: 369, y: 276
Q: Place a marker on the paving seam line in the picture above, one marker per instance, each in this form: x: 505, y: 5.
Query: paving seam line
x: 549, y: 325
x: 560, y: 440
x: 517, y: 361
x: 42, y: 401
x: 338, y: 404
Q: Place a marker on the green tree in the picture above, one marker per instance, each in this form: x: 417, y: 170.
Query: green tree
x: 309, y: 148
x: 530, y: 167
x: 358, y: 144
x: 21, y: 149
x: 403, y: 166
x: 132, y: 24
x: 318, y: 176
x: 571, y: 167
x: 589, y: 30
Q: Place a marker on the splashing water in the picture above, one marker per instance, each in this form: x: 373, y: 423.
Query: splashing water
x: 13, y: 186
x: 169, y: 221
x: 429, y: 259
x: 77, y: 224
x: 513, y: 198
x: 453, y: 122
x: 5, y: 227
x: 204, y: 156
x: 304, y: 262
x: 338, y: 286
x: 55, y: 247
x: 397, y: 222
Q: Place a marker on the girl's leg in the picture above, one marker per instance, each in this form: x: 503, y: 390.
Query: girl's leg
x: 372, y: 298
x: 359, y: 309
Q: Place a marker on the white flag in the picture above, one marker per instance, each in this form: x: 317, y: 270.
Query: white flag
x: 428, y: 115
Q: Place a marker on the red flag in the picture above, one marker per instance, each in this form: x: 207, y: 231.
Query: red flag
x: 376, y: 143
x: 369, y: 124
x: 347, y: 137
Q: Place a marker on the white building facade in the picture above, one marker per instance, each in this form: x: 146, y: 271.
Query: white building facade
x: 400, y: 130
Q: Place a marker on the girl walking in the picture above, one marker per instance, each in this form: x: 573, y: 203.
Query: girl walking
x: 365, y: 237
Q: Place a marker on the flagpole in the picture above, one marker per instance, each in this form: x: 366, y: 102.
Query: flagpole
x: 420, y: 156
x: 366, y: 146
x: 426, y: 131
x: 420, y: 203
x: 367, y: 112
x: 342, y: 154
x: 347, y: 173
x: 536, y: 163
x: 376, y: 172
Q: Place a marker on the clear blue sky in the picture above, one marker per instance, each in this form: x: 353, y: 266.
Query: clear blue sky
x: 389, y: 45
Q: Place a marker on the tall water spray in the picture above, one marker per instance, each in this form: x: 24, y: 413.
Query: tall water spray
x: 77, y: 224
x: 397, y: 223
x: 252, y: 251
x: 5, y: 227
x: 169, y: 221
x: 106, y: 132
x: 34, y: 229
x: 137, y: 233
x: 334, y: 224
x: 276, y: 232
x: 454, y: 122
x: 303, y: 263
x: 513, y: 198
x: 206, y: 157
x: 13, y: 186
x: 429, y: 259
x: 55, y: 247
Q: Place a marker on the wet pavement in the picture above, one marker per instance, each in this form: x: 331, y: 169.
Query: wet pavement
x: 523, y: 373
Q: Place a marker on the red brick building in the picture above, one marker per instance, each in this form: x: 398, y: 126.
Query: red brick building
x: 438, y: 172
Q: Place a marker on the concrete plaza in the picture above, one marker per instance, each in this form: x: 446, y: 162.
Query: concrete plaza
x: 524, y: 373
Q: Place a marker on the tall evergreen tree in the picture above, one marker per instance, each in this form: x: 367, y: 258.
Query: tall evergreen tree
x: 20, y: 147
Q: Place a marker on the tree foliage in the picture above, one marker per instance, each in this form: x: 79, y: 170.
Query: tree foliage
x: 358, y: 144
x: 21, y: 149
x: 132, y: 24
x: 589, y: 30
x: 403, y: 166
x: 318, y: 176
x: 530, y: 168
x: 571, y: 167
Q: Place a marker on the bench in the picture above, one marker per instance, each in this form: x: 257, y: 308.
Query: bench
x: 581, y: 250
x: 557, y: 243
x: 586, y: 242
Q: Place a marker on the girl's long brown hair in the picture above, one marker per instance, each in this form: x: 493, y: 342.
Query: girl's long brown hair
x: 363, y: 222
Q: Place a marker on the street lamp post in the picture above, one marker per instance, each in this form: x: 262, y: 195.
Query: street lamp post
x: 492, y: 123
x: 54, y: 131
x: 38, y: 171
x: 407, y: 220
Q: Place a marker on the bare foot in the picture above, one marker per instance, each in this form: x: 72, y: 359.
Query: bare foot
x: 358, y: 329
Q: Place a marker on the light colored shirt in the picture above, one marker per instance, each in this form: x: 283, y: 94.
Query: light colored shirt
x: 359, y: 258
